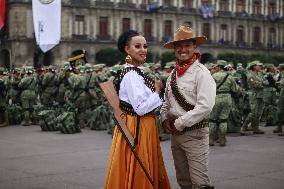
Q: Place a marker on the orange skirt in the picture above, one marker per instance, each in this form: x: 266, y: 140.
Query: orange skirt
x: 124, y: 171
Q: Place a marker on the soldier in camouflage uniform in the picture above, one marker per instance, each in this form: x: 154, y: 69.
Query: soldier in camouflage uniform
x: 15, y: 110
x: 256, y: 84
x: 280, y: 104
x: 28, y: 96
x: 270, y: 97
x: 49, y: 87
x: 3, y: 103
x: 226, y: 86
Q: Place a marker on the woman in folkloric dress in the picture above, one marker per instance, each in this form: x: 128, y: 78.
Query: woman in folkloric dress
x: 139, y: 97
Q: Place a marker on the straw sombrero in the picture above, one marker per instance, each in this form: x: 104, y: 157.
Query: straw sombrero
x: 184, y: 33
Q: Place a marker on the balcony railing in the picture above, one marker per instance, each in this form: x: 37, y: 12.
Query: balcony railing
x: 104, y: 3
x: 257, y: 17
x: 188, y: 10
x: 80, y: 2
x: 169, y: 8
x: 243, y: 14
x: 126, y: 5
x: 241, y: 44
x: 79, y: 37
x: 103, y: 37
x: 256, y: 45
x: 225, y: 13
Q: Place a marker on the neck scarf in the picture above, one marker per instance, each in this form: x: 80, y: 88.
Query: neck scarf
x: 180, y: 70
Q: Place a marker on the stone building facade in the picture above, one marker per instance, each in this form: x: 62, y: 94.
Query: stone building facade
x: 243, y: 26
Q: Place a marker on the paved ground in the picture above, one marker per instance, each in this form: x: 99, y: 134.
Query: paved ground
x: 32, y: 159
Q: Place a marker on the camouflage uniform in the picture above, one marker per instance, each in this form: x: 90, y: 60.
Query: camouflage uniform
x: 218, y: 118
x: 3, y: 103
x: 280, y: 104
x: 256, y: 83
x: 28, y: 96
x: 50, y: 87
x: 269, y: 99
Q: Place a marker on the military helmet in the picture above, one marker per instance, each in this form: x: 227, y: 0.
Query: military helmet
x: 67, y: 66
x: 254, y: 63
x: 210, y: 65
x: 29, y: 70
x: 222, y: 63
x: 170, y: 64
x: 281, y: 66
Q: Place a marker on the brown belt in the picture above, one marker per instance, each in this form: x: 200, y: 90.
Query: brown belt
x: 202, y: 124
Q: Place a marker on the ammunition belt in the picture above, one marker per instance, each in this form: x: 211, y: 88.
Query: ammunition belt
x: 202, y: 124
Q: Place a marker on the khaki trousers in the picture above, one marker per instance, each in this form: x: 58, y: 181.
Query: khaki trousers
x: 190, y: 152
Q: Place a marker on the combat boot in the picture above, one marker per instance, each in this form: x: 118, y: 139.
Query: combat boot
x: 211, y: 141
x: 4, y: 124
x: 258, y: 131
x: 222, y: 140
x: 278, y: 129
x: 281, y: 134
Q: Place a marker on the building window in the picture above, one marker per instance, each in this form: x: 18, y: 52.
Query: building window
x: 167, y: 3
x: 271, y: 8
x: 224, y: 5
x: 241, y: 6
x: 256, y: 8
x: 148, y: 29
x: 168, y: 32
x: 103, y: 28
x: 188, y: 4
x: 240, y: 35
x: 125, y: 24
x: 256, y: 35
x: 79, y: 25
x: 206, y: 30
x: 224, y: 34
x: 272, y: 37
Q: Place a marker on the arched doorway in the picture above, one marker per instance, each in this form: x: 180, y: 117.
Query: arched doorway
x: 5, y: 58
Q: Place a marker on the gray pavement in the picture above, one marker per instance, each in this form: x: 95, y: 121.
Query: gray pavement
x: 32, y: 159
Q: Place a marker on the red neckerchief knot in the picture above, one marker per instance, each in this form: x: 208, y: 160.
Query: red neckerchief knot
x: 180, y: 70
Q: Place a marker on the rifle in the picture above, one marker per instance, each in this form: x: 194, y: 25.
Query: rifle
x: 112, y: 97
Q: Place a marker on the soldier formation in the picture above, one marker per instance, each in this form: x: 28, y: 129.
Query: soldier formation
x: 245, y: 98
x: 69, y: 98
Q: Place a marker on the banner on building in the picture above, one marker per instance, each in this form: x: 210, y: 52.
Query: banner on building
x: 2, y: 13
x: 47, y: 23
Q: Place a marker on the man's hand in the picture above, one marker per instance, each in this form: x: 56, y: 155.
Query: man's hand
x: 172, y: 118
x: 166, y: 126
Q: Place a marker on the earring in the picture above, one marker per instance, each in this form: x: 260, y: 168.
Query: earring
x: 128, y: 59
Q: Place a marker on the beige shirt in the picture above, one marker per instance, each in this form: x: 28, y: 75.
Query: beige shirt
x: 199, y: 89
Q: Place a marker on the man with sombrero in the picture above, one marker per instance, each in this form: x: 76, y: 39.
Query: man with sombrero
x: 189, y: 98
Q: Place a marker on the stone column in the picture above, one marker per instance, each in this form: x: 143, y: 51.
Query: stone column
x: 198, y: 4
x: 217, y: 5
x: 249, y: 6
x: 87, y: 24
x: 264, y: 7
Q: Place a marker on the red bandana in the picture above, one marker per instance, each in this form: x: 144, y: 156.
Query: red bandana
x: 180, y: 70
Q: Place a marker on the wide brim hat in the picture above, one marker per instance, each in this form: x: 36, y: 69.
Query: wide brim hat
x: 184, y: 33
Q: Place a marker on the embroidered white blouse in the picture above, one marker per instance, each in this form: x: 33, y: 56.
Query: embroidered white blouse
x: 134, y: 91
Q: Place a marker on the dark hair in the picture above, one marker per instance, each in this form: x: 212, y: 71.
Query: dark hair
x: 124, y: 39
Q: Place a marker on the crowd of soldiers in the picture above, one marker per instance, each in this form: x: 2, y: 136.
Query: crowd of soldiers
x: 246, y: 97
x: 68, y: 98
